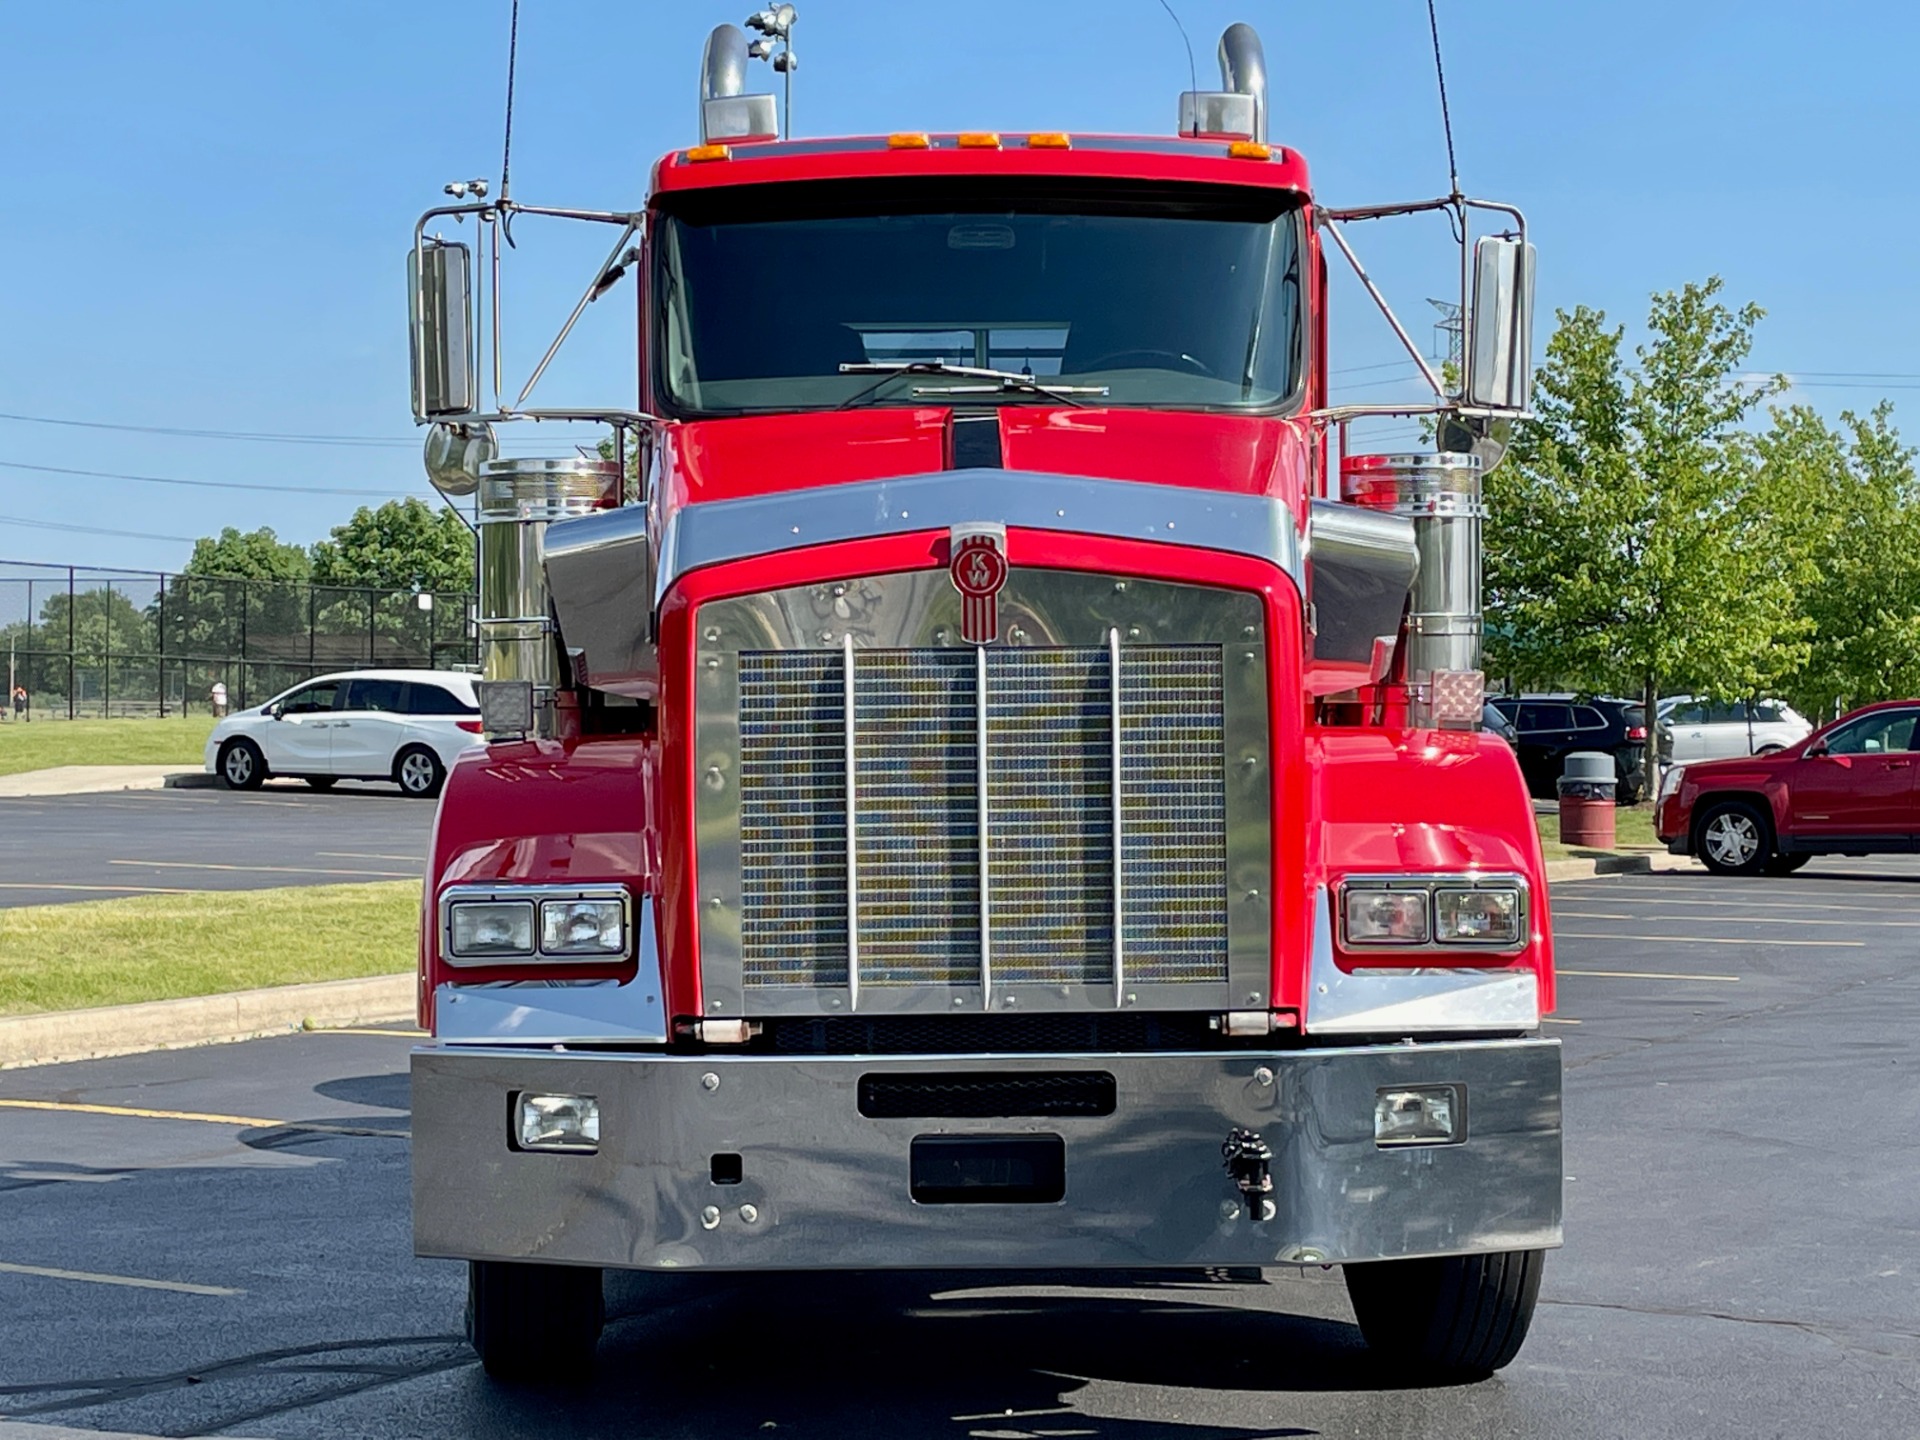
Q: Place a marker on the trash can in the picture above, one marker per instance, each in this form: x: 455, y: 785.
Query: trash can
x: 1587, y: 786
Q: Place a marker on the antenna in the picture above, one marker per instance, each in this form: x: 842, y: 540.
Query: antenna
x: 1193, y: 75
x: 1446, y: 118
x: 513, y: 56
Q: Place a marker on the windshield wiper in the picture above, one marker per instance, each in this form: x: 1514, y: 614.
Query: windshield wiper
x: 1002, y: 382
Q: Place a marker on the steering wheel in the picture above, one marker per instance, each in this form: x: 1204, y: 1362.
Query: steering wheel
x: 1179, y: 359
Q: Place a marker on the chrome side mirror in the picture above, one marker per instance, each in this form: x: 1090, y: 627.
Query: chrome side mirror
x: 440, y: 295
x: 1500, y: 326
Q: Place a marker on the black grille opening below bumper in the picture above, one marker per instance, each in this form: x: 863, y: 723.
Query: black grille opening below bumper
x: 1047, y: 1034
x: 988, y: 1096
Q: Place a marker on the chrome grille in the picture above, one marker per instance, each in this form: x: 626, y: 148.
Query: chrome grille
x: 793, y: 819
x: 918, y: 758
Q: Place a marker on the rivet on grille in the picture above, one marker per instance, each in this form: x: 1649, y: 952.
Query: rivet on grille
x: 1132, y: 999
x: 833, y: 1002
x: 1250, y: 761
x: 710, y: 1081
x: 1010, y: 1001
x: 1247, y: 657
x: 713, y: 635
x: 1133, y: 632
x: 710, y: 1217
x: 1251, y: 632
x: 826, y: 637
x: 838, y: 591
x: 959, y: 1000
x: 1017, y: 635
x: 714, y: 902
x: 749, y: 1213
x: 1253, y: 894
x: 1060, y: 514
x: 1253, y: 997
x: 713, y: 1005
x: 1119, y: 587
x: 1263, y: 1077
x: 713, y: 662
x: 716, y: 780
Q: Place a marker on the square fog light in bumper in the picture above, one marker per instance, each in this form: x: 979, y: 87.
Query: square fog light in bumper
x: 566, y: 1123
x: 1420, y: 1115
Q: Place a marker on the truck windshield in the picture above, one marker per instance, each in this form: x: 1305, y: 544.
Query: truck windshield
x: 1184, y: 298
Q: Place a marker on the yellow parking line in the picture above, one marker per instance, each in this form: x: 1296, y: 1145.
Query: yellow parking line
x: 1646, y: 975
x: 115, y: 889
x: 264, y: 869
x: 251, y: 1122
x: 134, y: 1281
x: 245, y: 1122
x: 1559, y: 934
x: 1557, y: 1020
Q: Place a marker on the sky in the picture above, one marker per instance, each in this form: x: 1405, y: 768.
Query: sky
x: 207, y: 206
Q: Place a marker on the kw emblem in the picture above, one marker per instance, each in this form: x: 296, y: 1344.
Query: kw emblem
x: 979, y: 569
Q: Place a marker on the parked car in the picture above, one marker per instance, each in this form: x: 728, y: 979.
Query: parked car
x: 406, y: 726
x: 1548, y: 728
x: 1495, y: 723
x: 1849, y: 788
x: 1689, y: 729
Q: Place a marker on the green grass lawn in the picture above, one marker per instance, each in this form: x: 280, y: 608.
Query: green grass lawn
x: 41, y: 743
x: 163, y: 947
x: 1632, y: 827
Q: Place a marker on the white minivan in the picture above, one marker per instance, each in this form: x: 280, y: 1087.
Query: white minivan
x: 406, y: 726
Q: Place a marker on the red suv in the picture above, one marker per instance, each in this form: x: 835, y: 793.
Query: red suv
x: 1850, y: 788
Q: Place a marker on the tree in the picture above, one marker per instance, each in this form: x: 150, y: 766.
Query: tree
x: 255, y: 555
x: 403, y: 545
x: 1630, y: 545
x: 1853, y: 510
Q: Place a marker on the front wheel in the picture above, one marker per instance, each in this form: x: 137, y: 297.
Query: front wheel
x: 242, y: 766
x: 1461, y: 1315
x: 534, y: 1322
x: 418, y: 772
x: 1733, y: 839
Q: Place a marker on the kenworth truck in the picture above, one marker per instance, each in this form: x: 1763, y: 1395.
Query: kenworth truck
x: 978, y: 776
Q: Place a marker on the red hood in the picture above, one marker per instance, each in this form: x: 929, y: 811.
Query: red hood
x: 725, y: 459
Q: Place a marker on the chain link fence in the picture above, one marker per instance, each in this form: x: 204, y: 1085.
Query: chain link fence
x: 86, y: 642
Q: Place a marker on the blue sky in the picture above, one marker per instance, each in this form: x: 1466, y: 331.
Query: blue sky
x: 207, y: 205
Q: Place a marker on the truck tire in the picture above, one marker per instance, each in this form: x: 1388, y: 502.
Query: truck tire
x: 1733, y: 838
x: 241, y: 765
x: 1461, y: 1316
x: 533, y: 1322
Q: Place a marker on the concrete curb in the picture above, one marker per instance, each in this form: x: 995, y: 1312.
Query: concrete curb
x: 202, y: 1020
x: 190, y: 780
x: 1587, y: 868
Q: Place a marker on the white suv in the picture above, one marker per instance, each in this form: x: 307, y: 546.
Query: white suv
x: 1691, y: 729
x: 406, y: 726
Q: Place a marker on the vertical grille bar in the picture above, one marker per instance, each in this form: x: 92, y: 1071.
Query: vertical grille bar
x: 1119, y: 838
x: 853, y: 846
x: 980, y: 766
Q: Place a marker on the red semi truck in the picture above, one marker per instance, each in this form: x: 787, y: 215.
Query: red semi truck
x: 979, y: 777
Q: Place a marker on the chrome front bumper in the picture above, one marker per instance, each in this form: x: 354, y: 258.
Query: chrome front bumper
x: 824, y: 1187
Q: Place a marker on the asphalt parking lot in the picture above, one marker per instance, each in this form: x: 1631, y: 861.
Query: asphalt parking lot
x: 178, y: 1259
x: 143, y: 842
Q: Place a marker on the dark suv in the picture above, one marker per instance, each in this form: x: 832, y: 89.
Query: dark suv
x: 1548, y: 728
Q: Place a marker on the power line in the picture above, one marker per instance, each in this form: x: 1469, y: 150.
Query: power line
x: 289, y: 490
x: 92, y: 530
x: 196, y: 434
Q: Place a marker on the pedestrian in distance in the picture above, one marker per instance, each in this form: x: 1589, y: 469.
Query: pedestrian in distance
x: 218, y: 695
x: 20, y: 703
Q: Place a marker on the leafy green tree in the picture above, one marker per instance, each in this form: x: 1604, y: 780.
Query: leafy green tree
x: 254, y: 555
x: 403, y: 545
x: 1629, y: 541
x: 1848, y: 507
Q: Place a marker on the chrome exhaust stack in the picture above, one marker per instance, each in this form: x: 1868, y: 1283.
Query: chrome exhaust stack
x: 1440, y: 495
x: 727, y: 112
x: 519, y: 498
x: 1238, y: 109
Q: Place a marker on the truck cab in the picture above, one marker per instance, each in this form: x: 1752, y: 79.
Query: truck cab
x: 978, y: 777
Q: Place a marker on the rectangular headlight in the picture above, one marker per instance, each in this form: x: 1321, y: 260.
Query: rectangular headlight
x: 489, y: 929
x: 556, y: 1122
x: 1476, y: 917
x: 1386, y: 917
x: 583, y: 927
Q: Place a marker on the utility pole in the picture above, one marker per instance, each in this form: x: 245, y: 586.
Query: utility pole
x: 1451, y: 325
